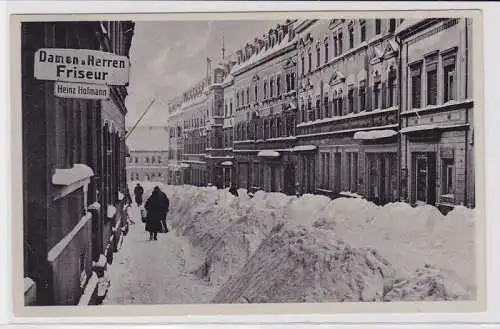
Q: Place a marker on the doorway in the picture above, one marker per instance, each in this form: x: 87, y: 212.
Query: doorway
x: 289, y: 179
x: 424, y: 176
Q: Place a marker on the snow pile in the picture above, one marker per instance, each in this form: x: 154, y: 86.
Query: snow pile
x: 276, y: 248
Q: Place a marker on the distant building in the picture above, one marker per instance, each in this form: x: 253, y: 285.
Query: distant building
x: 148, y: 147
x: 73, y: 169
x: 437, y: 112
x: 177, y: 171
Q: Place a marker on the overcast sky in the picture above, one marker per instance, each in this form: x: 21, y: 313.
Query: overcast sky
x: 169, y: 57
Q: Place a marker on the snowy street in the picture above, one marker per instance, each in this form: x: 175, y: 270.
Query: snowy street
x: 278, y: 248
x: 153, y: 272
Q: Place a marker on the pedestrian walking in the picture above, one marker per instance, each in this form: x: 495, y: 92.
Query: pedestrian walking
x: 233, y: 190
x: 156, y: 208
x: 138, y: 191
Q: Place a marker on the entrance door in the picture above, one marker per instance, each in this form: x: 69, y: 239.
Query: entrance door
x: 425, y: 177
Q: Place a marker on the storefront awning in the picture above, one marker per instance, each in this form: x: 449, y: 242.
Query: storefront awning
x: 303, y: 148
x: 227, y: 163
x: 268, y: 153
x: 374, y: 134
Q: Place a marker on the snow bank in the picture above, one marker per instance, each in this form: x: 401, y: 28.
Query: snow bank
x: 275, y: 247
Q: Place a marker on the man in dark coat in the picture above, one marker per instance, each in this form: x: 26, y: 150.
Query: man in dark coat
x: 156, y: 207
x: 233, y: 190
x: 166, y: 202
x: 138, y: 191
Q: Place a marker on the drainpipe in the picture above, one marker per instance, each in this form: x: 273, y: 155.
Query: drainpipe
x: 400, y: 92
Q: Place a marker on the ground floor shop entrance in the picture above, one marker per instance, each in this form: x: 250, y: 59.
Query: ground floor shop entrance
x: 424, y: 177
x: 382, y: 173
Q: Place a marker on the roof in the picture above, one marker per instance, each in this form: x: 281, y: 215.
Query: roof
x: 146, y: 138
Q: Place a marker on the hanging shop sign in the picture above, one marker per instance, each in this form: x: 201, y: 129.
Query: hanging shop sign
x: 81, y: 66
x: 81, y: 90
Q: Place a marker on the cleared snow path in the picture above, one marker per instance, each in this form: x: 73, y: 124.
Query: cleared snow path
x: 154, y: 272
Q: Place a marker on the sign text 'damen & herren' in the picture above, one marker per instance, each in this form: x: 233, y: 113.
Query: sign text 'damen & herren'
x: 81, y: 65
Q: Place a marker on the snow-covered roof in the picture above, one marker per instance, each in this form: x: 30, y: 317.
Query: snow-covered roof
x: 148, y: 139
x: 264, y: 53
x: 268, y: 153
x: 374, y: 134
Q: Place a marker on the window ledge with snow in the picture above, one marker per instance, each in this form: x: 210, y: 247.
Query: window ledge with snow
x: 268, y: 153
x: 374, y: 134
x: 71, y: 179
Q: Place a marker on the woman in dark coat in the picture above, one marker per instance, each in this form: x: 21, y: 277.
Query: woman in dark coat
x: 138, y: 191
x: 156, y: 207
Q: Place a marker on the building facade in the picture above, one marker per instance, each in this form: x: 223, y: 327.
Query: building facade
x: 148, y: 161
x: 177, y: 171
x: 437, y: 143
x: 73, y: 170
x: 348, y: 109
x: 263, y: 91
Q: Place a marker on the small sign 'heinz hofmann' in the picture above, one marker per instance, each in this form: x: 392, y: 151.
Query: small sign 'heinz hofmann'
x: 81, y: 90
x: 81, y: 65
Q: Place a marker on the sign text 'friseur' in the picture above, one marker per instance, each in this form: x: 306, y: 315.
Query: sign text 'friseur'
x: 81, y: 65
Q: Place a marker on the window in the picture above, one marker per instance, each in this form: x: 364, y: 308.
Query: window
x: 265, y: 89
x: 153, y: 159
x: 362, y: 95
x: 310, y: 112
x: 292, y: 81
x: 309, y: 57
x: 449, y: 83
x: 340, y: 44
x: 376, y: 95
x: 352, y: 171
x: 392, y: 25
x: 303, y: 113
x: 159, y: 159
x: 225, y: 110
x: 362, y: 30
x: 326, y: 51
x: 377, y: 26
x: 318, y: 56
x: 326, y: 111
x: 231, y: 107
x: 256, y: 94
x: 237, y: 99
x: 392, y: 88
x: 350, y: 98
x: 248, y: 95
x: 147, y: 159
x: 302, y: 64
x: 271, y: 87
x: 431, y: 78
x: 351, y: 36
x: 338, y: 105
x: 278, y: 85
x: 448, y: 168
x: 335, y: 46
x: 318, y: 108
x: 416, y: 86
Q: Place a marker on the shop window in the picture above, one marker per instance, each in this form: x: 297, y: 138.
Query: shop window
x: 448, y: 175
x: 449, y: 77
x: 362, y: 30
x: 431, y: 79
x: 416, y: 86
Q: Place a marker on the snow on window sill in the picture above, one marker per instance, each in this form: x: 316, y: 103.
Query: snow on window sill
x: 69, y: 180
